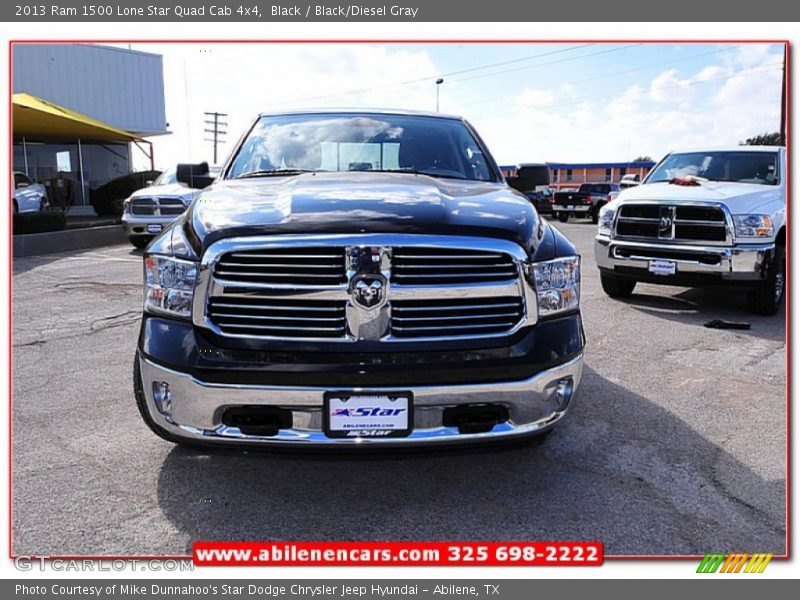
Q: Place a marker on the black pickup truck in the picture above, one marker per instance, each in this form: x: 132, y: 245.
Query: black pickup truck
x: 358, y: 278
x: 586, y: 202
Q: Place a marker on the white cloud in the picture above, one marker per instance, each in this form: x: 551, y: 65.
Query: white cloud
x: 560, y: 122
x: 670, y: 87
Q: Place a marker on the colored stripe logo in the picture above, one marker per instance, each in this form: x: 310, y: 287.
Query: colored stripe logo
x: 734, y: 563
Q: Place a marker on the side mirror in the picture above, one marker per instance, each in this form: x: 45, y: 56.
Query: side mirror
x: 628, y: 184
x: 196, y: 176
x: 529, y: 177
x: 148, y: 183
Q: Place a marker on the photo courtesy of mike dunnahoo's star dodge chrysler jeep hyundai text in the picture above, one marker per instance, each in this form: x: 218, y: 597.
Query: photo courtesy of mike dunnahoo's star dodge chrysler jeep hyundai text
x: 358, y: 278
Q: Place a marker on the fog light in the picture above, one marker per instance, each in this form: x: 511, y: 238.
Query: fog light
x: 564, y: 391
x: 162, y: 397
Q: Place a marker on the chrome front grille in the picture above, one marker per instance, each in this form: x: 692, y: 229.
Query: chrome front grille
x: 157, y: 207
x: 387, y: 288
x: 452, y: 318
x: 433, y: 266
x: 264, y: 316
x: 323, y: 266
x: 681, y: 223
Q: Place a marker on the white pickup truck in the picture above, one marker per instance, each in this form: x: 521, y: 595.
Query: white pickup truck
x: 701, y: 218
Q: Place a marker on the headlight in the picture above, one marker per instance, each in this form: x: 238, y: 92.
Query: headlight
x: 753, y: 226
x: 558, y: 284
x: 169, y: 285
x: 605, y: 220
x: 126, y: 207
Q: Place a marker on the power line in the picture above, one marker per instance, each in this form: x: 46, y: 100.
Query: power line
x: 429, y: 78
x: 641, y: 92
x: 615, y: 73
x: 554, y: 62
x: 218, y: 129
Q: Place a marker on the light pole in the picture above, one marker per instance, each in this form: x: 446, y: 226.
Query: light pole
x: 439, y: 82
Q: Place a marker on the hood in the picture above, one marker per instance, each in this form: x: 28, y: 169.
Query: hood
x: 173, y: 190
x: 361, y: 202
x: 740, y: 198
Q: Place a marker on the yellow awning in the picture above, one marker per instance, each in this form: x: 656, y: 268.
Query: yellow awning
x: 40, y: 120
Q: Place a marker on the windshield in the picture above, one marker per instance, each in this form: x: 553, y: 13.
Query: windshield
x: 741, y: 167
x: 167, y: 177
x: 289, y: 144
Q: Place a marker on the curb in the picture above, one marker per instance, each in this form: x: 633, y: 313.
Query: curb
x: 34, y: 244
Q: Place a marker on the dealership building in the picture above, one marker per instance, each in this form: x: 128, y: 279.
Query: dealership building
x: 573, y: 174
x: 81, y: 111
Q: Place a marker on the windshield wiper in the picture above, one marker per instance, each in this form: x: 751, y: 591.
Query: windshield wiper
x: 273, y: 173
x: 411, y: 171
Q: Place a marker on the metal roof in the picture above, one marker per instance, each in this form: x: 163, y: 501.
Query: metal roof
x: 41, y: 120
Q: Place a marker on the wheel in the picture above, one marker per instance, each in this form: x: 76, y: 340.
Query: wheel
x: 766, y: 299
x: 595, y: 213
x: 563, y: 217
x: 139, y: 242
x: 616, y: 287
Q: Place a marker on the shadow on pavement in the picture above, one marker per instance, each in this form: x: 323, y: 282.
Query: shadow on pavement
x: 697, y: 306
x: 620, y: 469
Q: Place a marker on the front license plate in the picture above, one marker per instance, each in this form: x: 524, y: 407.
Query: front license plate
x: 571, y: 207
x: 352, y: 415
x: 153, y: 228
x: 662, y: 267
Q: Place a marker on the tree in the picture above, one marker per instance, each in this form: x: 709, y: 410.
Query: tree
x: 644, y: 158
x: 764, y: 139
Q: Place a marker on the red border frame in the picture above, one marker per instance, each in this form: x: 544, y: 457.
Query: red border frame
x: 787, y: 46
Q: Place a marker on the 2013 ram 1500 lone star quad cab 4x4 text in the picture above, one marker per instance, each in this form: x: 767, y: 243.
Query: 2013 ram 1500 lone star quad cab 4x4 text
x: 358, y: 278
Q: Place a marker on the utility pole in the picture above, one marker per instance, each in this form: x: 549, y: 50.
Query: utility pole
x: 217, y: 129
x: 783, y: 98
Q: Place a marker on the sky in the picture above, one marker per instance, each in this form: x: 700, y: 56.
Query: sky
x: 530, y: 102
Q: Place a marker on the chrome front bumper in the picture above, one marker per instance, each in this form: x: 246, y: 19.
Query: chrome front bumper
x: 194, y: 409
x: 735, y: 263
x: 136, y: 225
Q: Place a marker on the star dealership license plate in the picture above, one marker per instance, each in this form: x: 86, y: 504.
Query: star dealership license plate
x: 662, y: 267
x: 354, y: 415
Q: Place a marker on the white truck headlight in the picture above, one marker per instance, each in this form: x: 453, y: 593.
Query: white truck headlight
x: 605, y: 220
x: 753, y: 226
x: 169, y: 285
x: 558, y: 284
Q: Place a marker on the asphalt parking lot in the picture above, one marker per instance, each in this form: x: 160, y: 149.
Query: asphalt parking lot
x: 676, y: 444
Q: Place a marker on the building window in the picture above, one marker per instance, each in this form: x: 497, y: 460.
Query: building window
x: 569, y: 174
x: 555, y: 175
x: 622, y: 172
x: 608, y: 174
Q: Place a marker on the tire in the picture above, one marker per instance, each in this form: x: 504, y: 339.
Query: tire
x: 616, y: 287
x: 766, y: 299
x: 139, y: 242
x: 15, y: 208
x: 595, y: 213
x: 563, y: 217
